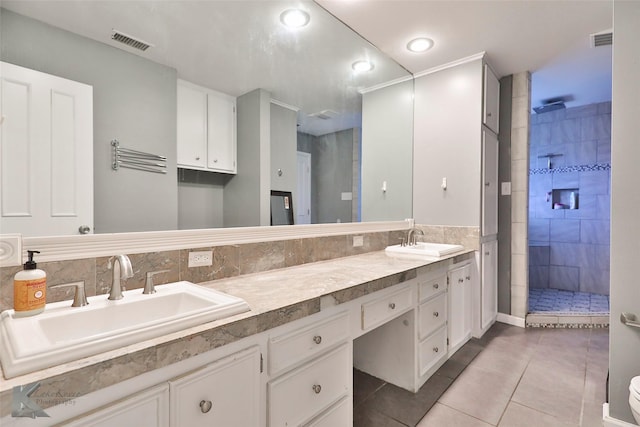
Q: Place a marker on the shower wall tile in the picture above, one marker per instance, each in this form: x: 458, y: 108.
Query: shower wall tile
x: 581, y: 153
x: 566, y: 131
x: 564, y: 230
x: 541, y: 133
x: 604, y: 108
x: 604, y: 151
x: 582, y: 111
x: 594, y: 280
x: 587, y: 207
x: 594, y: 182
x: 539, y: 277
x: 539, y: 230
x: 597, y: 127
x: 540, y: 184
x: 539, y: 256
x: 595, y: 232
x: 566, y: 278
x: 566, y: 180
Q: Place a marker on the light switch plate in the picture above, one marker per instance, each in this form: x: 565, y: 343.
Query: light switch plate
x: 10, y: 250
x: 346, y: 196
x: 506, y: 189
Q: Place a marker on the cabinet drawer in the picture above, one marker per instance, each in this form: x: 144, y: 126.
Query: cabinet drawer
x: 430, y: 286
x: 339, y: 415
x: 305, y: 392
x: 225, y: 393
x: 432, y: 350
x: 293, y: 347
x: 377, y: 312
x: 433, y: 315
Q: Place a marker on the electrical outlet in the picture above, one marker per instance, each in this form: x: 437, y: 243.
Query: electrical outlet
x: 358, y: 241
x: 200, y: 259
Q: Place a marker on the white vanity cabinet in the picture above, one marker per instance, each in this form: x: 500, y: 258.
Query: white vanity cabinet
x: 223, y: 393
x: 460, y: 306
x: 206, y: 129
x: 149, y: 408
x: 432, y: 322
x: 310, y: 367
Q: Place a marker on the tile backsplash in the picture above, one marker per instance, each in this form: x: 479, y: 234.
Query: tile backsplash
x: 228, y: 261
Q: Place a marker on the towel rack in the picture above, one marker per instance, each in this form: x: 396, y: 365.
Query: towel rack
x: 139, y: 160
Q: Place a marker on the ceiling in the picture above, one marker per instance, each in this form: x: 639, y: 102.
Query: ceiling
x: 548, y: 38
x: 211, y: 42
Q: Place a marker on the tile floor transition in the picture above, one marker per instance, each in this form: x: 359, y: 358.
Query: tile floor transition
x: 511, y: 377
x: 560, y: 301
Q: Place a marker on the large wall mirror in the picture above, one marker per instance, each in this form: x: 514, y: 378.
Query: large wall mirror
x: 299, y: 104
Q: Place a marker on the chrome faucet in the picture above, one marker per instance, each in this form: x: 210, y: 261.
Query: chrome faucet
x: 121, y: 270
x: 411, y: 235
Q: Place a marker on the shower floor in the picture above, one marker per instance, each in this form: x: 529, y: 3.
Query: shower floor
x: 559, y: 308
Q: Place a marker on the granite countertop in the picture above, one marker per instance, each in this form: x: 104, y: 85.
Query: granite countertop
x: 275, y: 297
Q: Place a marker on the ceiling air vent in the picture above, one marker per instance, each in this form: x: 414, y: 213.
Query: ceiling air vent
x: 325, y: 114
x: 130, y: 40
x: 604, y: 38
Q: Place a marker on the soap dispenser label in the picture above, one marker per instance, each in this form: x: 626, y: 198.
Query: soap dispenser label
x: 29, y: 294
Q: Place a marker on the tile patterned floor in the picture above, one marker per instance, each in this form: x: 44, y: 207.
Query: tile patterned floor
x: 512, y: 377
x: 566, y: 302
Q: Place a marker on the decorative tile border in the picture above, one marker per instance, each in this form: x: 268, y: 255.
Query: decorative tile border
x: 566, y: 169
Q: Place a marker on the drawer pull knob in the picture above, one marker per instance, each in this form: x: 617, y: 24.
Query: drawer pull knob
x: 317, y: 339
x: 468, y: 277
x: 460, y: 280
x: 392, y: 305
x: 436, y: 286
x: 436, y: 349
x: 436, y: 314
x: 205, y: 406
x: 317, y: 388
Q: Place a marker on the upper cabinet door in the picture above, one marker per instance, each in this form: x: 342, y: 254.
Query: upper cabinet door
x: 491, y: 99
x: 489, y: 184
x: 192, y: 126
x: 46, y: 153
x: 221, y: 132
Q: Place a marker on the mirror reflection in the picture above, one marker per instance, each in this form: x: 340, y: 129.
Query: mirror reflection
x: 237, y: 102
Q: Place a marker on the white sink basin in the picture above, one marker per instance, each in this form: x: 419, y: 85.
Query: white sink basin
x: 64, y: 333
x: 424, y: 250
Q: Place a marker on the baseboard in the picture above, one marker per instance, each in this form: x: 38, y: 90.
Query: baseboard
x: 608, y: 421
x: 510, y: 320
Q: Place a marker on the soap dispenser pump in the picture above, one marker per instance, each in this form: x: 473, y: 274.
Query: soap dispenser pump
x: 29, y: 289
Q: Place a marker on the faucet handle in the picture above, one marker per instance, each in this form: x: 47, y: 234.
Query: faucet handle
x: 79, y: 297
x: 149, y: 286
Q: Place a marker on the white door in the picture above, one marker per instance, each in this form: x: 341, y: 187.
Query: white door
x: 46, y: 152
x: 489, y: 283
x: 303, y: 215
x: 489, y: 184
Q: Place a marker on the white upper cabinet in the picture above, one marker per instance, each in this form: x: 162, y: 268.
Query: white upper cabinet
x: 206, y: 129
x: 46, y: 153
x: 491, y: 100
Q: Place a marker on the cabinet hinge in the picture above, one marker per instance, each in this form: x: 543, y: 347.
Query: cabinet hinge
x: 261, y: 363
x: 447, y: 280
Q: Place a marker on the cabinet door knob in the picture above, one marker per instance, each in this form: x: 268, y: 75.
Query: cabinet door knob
x: 436, y: 314
x: 215, y: 160
x: 317, y: 388
x: 317, y: 339
x: 468, y: 277
x: 392, y: 305
x: 436, y: 349
x: 436, y: 286
x: 488, y: 114
x: 486, y: 184
x: 460, y: 280
x: 205, y: 406
x: 198, y: 158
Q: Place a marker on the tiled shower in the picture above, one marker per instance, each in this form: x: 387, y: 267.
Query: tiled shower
x: 569, y: 210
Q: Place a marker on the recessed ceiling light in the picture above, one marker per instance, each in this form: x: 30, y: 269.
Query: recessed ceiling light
x: 294, y: 18
x: 421, y: 44
x: 362, y: 66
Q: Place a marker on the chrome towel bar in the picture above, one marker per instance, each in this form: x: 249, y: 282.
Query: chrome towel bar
x: 139, y: 160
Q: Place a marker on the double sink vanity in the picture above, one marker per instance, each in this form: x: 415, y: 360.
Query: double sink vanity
x: 274, y: 348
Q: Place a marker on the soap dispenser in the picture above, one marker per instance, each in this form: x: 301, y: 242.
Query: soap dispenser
x: 29, y: 289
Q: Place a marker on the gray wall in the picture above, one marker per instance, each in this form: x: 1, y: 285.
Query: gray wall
x: 200, y: 198
x: 134, y: 101
x: 283, y: 151
x: 387, y: 152
x: 247, y: 194
x: 624, y: 349
x: 569, y: 248
x: 448, y: 114
x: 504, y: 202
